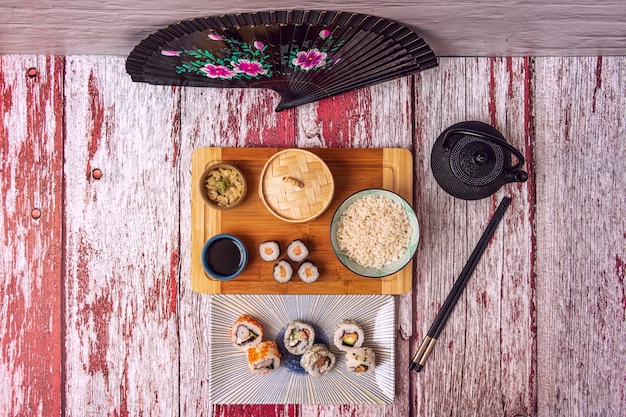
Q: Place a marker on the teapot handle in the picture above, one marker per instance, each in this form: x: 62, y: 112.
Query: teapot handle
x: 489, y: 137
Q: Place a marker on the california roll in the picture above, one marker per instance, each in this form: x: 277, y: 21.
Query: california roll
x: 264, y: 357
x: 318, y: 360
x: 360, y: 360
x: 299, y: 336
x: 246, y: 332
x: 348, y: 334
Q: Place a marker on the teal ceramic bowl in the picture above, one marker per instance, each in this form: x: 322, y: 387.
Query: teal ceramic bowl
x: 387, y: 269
x: 224, y: 257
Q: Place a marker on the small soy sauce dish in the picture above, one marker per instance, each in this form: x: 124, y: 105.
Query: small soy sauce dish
x: 224, y: 257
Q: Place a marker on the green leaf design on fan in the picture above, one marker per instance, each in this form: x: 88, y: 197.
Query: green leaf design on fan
x: 250, y: 61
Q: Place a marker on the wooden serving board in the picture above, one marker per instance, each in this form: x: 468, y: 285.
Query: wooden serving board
x: 353, y: 170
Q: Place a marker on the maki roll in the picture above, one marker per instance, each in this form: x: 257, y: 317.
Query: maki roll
x: 264, y: 357
x: 269, y: 251
x: 348, y: 334
x: 297, y: 251
x: 318, y: 360
x: 308, y: 272
x: 246, y: 332
x: 299, y: 336
x: 283, y: 271
x: 360, y: 360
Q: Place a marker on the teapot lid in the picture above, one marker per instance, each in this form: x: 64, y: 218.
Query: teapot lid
x: 476, y: 161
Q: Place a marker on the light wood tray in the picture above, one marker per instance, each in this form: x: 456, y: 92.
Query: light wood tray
x: 353, y: 170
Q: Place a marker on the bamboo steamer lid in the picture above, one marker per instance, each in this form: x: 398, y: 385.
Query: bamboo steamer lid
x: 296, y: 185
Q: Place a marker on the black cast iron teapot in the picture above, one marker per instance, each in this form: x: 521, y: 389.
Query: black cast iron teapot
x: 472, y: 160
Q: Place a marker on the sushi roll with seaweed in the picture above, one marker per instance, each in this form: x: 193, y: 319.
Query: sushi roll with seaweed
x: 299, y: 336
x: 269, y: 251
x: 297, y: 251
x: 283, y: 271
x: 318, y: 360
x: 264, y: 357
x: 348, y: 334
x: 246, y: 332
x: 308, y: 272
x: 360, y: 360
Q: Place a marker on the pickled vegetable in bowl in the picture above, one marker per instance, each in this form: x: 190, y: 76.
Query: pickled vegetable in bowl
x: 223, y: 186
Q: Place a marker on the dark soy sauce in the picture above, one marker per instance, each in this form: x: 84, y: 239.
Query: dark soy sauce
x: 224, y: 257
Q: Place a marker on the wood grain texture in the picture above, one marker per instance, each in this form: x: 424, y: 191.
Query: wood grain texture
x: 226, y: 118
x: 440, y: 97
x: 122, y: 242
x: 31, y: 244
x: 98, y: 315
x: 503, y: 292
x: 489, y: 333
x: 451, y: 27
x: 378, y: 116
x: 352, y: 169
x: 581, y: 236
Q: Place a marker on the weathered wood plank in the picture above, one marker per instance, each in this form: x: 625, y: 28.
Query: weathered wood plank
x: 581, y: 236
x: 538, y: 331
x: 375, y: 117
x: 451, y: 27
x: 31, y: 236
x: 122, y: 242
x: 503, y: 291
x: 224, y: 118
x: 490, y: 330
x: 440, y: 102
x: 517, y: 298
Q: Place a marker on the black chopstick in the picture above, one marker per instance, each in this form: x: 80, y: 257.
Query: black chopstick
x: 435, y: 329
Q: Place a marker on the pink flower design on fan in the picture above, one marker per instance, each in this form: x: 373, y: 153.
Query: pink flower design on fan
x: 259, y: 45
x: 252, y: 68
x: 324, y: 34
x: 308, y: 60
x: 215, y: 37
x: 166, y: 52
x: 218, y: 71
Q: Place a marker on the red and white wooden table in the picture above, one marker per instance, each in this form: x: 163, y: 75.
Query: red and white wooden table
x: 97, y: 316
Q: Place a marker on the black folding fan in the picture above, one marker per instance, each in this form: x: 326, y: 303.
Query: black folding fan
x: 302, y: 55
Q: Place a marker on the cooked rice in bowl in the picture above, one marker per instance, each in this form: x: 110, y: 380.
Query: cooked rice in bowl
x: 374, y: 233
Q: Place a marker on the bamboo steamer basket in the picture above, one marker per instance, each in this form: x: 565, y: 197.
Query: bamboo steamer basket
x: 296, y: 186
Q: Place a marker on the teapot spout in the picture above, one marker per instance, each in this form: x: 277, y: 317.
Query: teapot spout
x: 516, y: 176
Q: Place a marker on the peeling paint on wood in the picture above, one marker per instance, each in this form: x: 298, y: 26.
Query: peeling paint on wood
x: 121, y: 332
x: 581, y: 233
x: 489, y: 328
x: 31, y: 235
x: 98, y: 316
x: 376, y: 117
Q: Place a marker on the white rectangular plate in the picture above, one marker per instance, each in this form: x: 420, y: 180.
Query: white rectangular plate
x: 230, y: 382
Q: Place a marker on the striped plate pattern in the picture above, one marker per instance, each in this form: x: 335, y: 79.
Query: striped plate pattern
x: 232, y: 383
